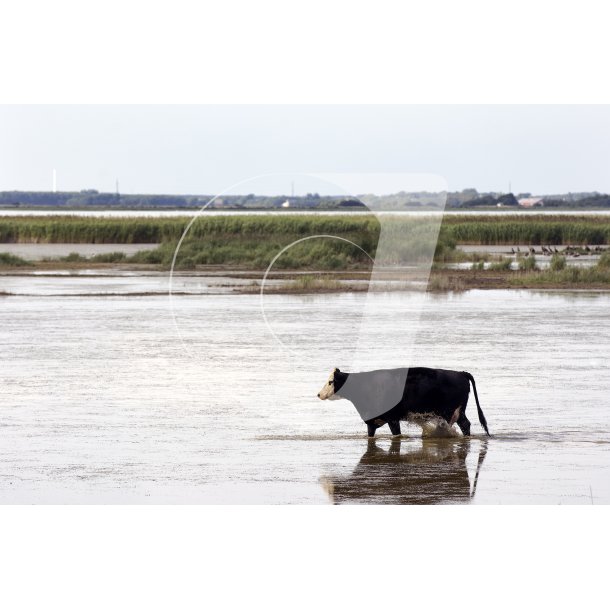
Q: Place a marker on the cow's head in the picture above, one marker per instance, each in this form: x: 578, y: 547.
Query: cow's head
x: 331, y: 388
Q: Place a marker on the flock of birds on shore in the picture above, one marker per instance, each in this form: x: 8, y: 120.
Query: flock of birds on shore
x: 574, y: 251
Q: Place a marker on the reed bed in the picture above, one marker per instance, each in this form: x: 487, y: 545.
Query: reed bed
x: 492, y: 230
x: 253, y: 241
x: 533, y: 230
x: 84, y: 230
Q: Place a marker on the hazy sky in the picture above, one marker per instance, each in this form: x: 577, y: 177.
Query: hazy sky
x: 205, y: 149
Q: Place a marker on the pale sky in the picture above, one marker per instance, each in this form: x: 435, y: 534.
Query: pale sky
x: 206, y: 149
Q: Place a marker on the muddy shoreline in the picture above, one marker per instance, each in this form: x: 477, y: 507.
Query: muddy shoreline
x: 310, y: 281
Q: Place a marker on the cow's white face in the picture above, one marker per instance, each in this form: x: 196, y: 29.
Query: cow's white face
x: 328, y: 389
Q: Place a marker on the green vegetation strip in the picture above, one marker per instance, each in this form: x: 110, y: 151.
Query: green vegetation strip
x: 534, y: 230
x: 253, y: 241
x: 589, y: 276
x: 10, y: 260
x: 479, y: 229
x: 560, y: 274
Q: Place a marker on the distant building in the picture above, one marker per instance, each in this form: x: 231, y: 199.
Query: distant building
x: 531, y: 202
x: 286, y: 204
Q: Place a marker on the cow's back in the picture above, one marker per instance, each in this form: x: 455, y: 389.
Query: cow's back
x: 437, y: 390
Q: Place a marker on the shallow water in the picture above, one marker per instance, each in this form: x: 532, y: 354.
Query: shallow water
x: 38, y: 252
x: 113, y: 399
x: 117, y: 282
x: 543, y: 261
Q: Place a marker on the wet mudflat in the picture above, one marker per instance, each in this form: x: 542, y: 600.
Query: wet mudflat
x: 117, y: 399
x: 38, y: 252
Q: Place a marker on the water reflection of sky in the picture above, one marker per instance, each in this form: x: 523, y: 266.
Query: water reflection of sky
x: 103, y: 403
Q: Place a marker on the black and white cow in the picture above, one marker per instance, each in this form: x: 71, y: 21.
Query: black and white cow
x: 387, y: 396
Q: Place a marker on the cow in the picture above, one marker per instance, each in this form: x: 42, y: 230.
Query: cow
x: 389, y: 396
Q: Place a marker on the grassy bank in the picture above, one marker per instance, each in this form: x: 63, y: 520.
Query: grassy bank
x: 213, y: 240
x: 500, y: 276
x: 10, y: 260
x: 89, y: 230
x: 533, y: 230
x: 253, y: 241
x: 559, y: 274
x: 479, y: 229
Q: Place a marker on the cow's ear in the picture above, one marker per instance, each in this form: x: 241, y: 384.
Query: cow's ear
x: 337, y: 370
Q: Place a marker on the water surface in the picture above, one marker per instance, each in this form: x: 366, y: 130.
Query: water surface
x: 114, y: 399
x: 38, y: 252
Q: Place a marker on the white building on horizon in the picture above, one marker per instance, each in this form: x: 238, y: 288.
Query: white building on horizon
x: 531, y: 202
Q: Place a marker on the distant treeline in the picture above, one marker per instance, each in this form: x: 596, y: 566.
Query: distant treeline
x: 471, y: 198
x: 468, y: 198
x: 95, y: 199
x: 597, y: 201
x: 491, y: 201
x: 594, y: 201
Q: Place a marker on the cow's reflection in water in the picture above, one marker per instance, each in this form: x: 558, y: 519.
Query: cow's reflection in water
x: 435, y: 472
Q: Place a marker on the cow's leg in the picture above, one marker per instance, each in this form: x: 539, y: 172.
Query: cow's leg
x: 455, y: 416
x: 394, y: 427
x: 463, y: 423
x: 373, y: 424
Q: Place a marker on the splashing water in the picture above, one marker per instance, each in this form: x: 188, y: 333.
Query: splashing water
x: 433, y: 426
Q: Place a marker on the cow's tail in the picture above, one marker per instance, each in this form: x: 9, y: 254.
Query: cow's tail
x: 476, y: 397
